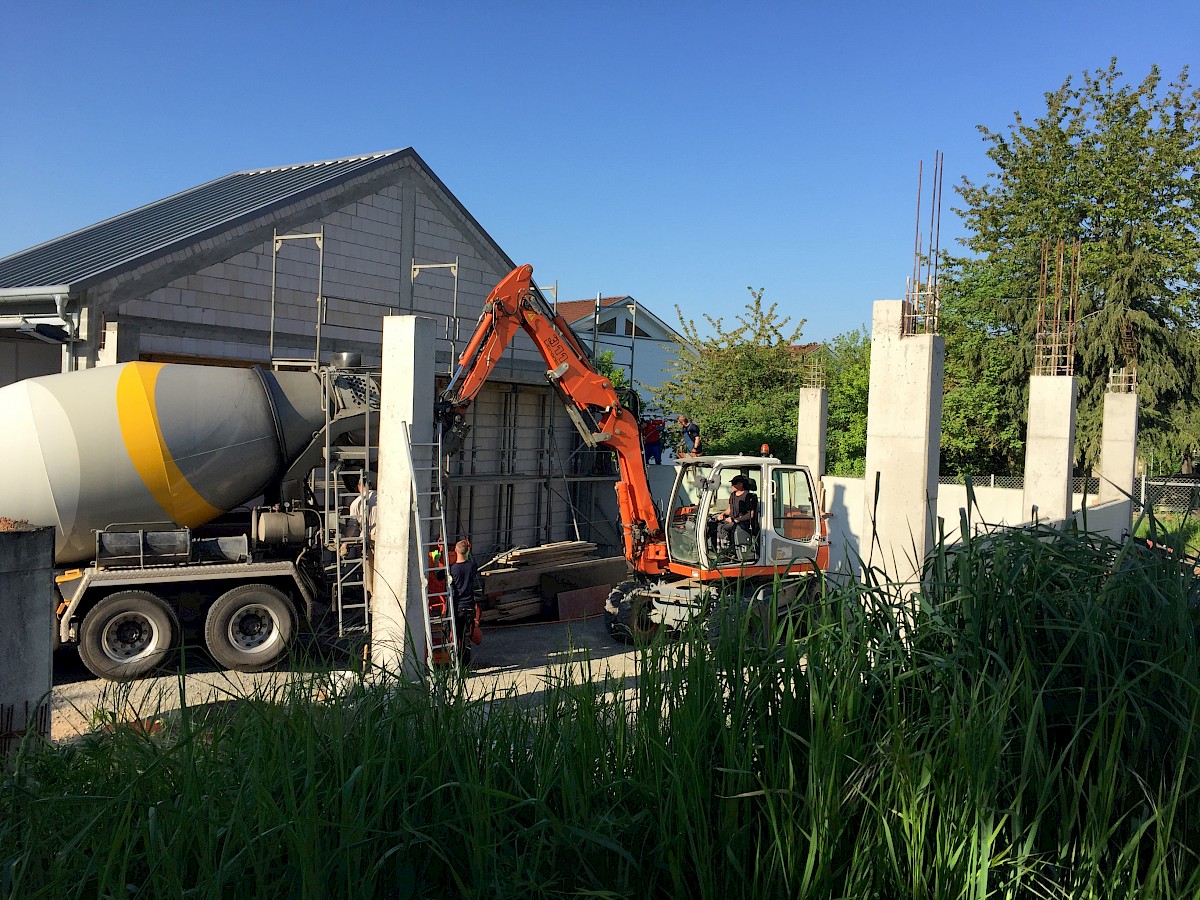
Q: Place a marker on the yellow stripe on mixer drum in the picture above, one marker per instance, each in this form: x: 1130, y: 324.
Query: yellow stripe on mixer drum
x: 142, y: 433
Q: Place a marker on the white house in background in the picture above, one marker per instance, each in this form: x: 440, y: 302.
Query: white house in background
x: 639, y: 340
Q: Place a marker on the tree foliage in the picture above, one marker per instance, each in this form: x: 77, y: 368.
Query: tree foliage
x: 1115, y: 167
x: 740, y: 384
x: 847, y: 379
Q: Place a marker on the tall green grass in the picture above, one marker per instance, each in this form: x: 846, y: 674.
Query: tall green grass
x: 1030, y: 731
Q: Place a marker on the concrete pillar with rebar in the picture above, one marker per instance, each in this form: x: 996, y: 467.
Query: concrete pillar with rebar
x: 1118, y: 446
x: 904, y: 416
x: 1050, y: 447
x: 397, y: 604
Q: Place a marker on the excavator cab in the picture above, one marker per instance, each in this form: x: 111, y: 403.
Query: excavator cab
x: 786, y: 528
x: 701, y: 494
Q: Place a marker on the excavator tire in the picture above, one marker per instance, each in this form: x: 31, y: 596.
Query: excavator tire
x: 631, y: 621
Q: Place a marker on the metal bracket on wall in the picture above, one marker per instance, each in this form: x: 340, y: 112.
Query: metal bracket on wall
x: 277, y: 242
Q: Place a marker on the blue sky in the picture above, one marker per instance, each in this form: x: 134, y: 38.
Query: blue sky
x: 677, y: 152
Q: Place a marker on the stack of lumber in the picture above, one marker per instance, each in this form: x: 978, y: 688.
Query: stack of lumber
x: 546, y: 555
x: 511, y: 580
x: 512, y: 607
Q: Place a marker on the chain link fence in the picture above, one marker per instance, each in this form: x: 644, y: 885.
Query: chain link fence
x: 1169, y: 495
x: 1172, y: 495
x: 1017, y: 482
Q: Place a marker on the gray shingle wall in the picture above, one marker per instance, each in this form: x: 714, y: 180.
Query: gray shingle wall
x: 224, y: 310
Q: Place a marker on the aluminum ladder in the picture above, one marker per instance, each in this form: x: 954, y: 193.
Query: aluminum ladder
x: 441, y: 630
x: 350, y: 545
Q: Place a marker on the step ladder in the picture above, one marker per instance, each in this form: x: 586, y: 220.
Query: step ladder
x: 441, y: 630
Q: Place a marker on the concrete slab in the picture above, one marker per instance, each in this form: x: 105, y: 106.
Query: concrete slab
x: 513, y: 661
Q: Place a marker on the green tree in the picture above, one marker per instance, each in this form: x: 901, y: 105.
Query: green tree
x: 740, y: 383
x: 980, y: 433
x: 847, y: 379
x: 1115, y: 167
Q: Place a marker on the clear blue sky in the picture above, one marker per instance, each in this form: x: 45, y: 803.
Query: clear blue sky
x: 678, y: 152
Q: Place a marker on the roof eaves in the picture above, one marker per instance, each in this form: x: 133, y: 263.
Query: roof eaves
x: 25, y: 294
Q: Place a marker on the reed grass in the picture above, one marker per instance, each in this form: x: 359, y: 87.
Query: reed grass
x: 1021, y: 725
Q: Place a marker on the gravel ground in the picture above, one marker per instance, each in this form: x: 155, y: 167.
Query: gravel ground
x: 516, y: 659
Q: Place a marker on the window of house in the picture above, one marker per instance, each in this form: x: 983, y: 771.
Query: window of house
x: 630, y: 330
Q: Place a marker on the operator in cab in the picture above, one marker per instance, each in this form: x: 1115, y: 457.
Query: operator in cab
x: 742, y: 512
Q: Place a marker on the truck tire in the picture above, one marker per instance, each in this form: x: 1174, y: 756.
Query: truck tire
x: 631, y: 622
x: 249, y: 628
x: 126, y: 635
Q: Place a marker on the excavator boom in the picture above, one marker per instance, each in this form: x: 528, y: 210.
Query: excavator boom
x: 592, y: 402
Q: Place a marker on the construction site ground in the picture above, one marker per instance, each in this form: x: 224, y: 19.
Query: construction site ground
x: 515, y: 660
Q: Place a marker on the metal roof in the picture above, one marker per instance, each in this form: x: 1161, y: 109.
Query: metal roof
x: 125, y: 241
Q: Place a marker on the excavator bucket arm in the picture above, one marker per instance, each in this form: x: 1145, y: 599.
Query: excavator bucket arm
x: 590, y: 399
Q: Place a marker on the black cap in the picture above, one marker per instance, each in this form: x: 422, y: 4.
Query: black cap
x: 740, y: 479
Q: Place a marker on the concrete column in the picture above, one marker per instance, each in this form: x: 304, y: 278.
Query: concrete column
x: 122, y: 343
x: 27, y: 635
x: 904, y: 421
x: 811, y: 424
x: 1118, y: 446
x: 1050, y: 447
x: 397, y: 608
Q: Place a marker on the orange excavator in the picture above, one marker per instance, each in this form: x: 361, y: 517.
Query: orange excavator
x: 681, y: 561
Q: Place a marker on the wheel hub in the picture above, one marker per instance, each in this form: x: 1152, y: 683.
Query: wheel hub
x: 253, y: 628
x: 127, y: 636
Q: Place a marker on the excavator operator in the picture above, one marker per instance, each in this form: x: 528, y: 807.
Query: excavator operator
x: 742, y: 512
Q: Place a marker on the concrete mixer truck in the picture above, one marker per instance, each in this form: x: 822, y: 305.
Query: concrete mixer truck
x: 192, y: 497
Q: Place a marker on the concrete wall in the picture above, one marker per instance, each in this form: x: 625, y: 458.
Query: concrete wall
x: 1112, y: 518
x: 845, y: 501
x: 26, y: 638
x: 25, y: 357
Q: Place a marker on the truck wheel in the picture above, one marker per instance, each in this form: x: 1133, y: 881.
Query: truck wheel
x: 249, y: 628
x: 126, y: 635
x: 632, y: 623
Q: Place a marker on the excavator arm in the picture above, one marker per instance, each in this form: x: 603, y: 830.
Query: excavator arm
x: 591, y: 401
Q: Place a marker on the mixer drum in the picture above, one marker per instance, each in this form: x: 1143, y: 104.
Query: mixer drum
x: 147, y: 443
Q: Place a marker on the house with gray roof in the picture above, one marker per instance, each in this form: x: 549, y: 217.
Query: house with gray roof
x: 294, y: 263
x: 642, y: 345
